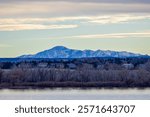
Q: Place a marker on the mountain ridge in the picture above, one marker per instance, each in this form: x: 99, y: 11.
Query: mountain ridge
x: 64, y: 52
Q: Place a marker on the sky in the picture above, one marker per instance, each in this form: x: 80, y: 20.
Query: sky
x: 31, y: 26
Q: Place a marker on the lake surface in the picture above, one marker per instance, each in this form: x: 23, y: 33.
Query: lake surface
x: 76, y: 94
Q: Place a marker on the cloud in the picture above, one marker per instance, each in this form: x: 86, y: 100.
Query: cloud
x: 17, y: 27
x: 41, y: 20
x: 16, y: 24
x: 13, y: 24
x: 112, y: 19
x: 63, y: 8
x: 64, y: 22
x: 97, y: 1
x: 113, y: 35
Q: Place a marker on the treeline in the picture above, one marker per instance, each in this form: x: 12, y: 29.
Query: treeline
x: 94, y: 63
x: 94, y: 72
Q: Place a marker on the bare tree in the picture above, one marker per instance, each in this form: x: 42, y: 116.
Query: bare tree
x: 1, y: 75
x: 147, y: 66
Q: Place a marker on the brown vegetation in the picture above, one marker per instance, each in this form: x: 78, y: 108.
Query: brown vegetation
x: 77, y: 73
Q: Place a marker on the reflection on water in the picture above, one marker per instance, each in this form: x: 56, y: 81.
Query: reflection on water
x: 76, y: 94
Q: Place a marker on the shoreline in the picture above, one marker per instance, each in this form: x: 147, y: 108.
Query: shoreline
x: 88, y: 85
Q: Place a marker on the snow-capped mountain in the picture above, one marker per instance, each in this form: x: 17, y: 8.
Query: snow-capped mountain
x: 63, y: 52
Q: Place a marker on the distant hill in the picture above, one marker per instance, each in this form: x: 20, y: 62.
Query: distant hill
x: 63, y: 52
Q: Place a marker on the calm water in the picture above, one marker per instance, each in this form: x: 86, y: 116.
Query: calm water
x: 76, y: 94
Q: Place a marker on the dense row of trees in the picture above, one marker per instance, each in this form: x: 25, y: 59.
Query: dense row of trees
x: 93, y: 63
x: 108, y: 74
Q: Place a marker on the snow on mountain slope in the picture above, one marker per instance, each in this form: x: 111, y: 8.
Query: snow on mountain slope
x: 63, y: 52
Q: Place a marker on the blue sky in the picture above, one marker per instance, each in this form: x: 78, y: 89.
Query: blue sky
x: 30, y: 26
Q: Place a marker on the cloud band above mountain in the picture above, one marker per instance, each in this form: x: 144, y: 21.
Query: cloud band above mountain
x: 97, y: 1
x: 36, y: 8
x: 113, y: 35
x: 12, y: 24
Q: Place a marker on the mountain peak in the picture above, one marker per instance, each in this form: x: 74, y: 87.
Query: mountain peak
x: 59, y: 48
x: 64, y: 52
